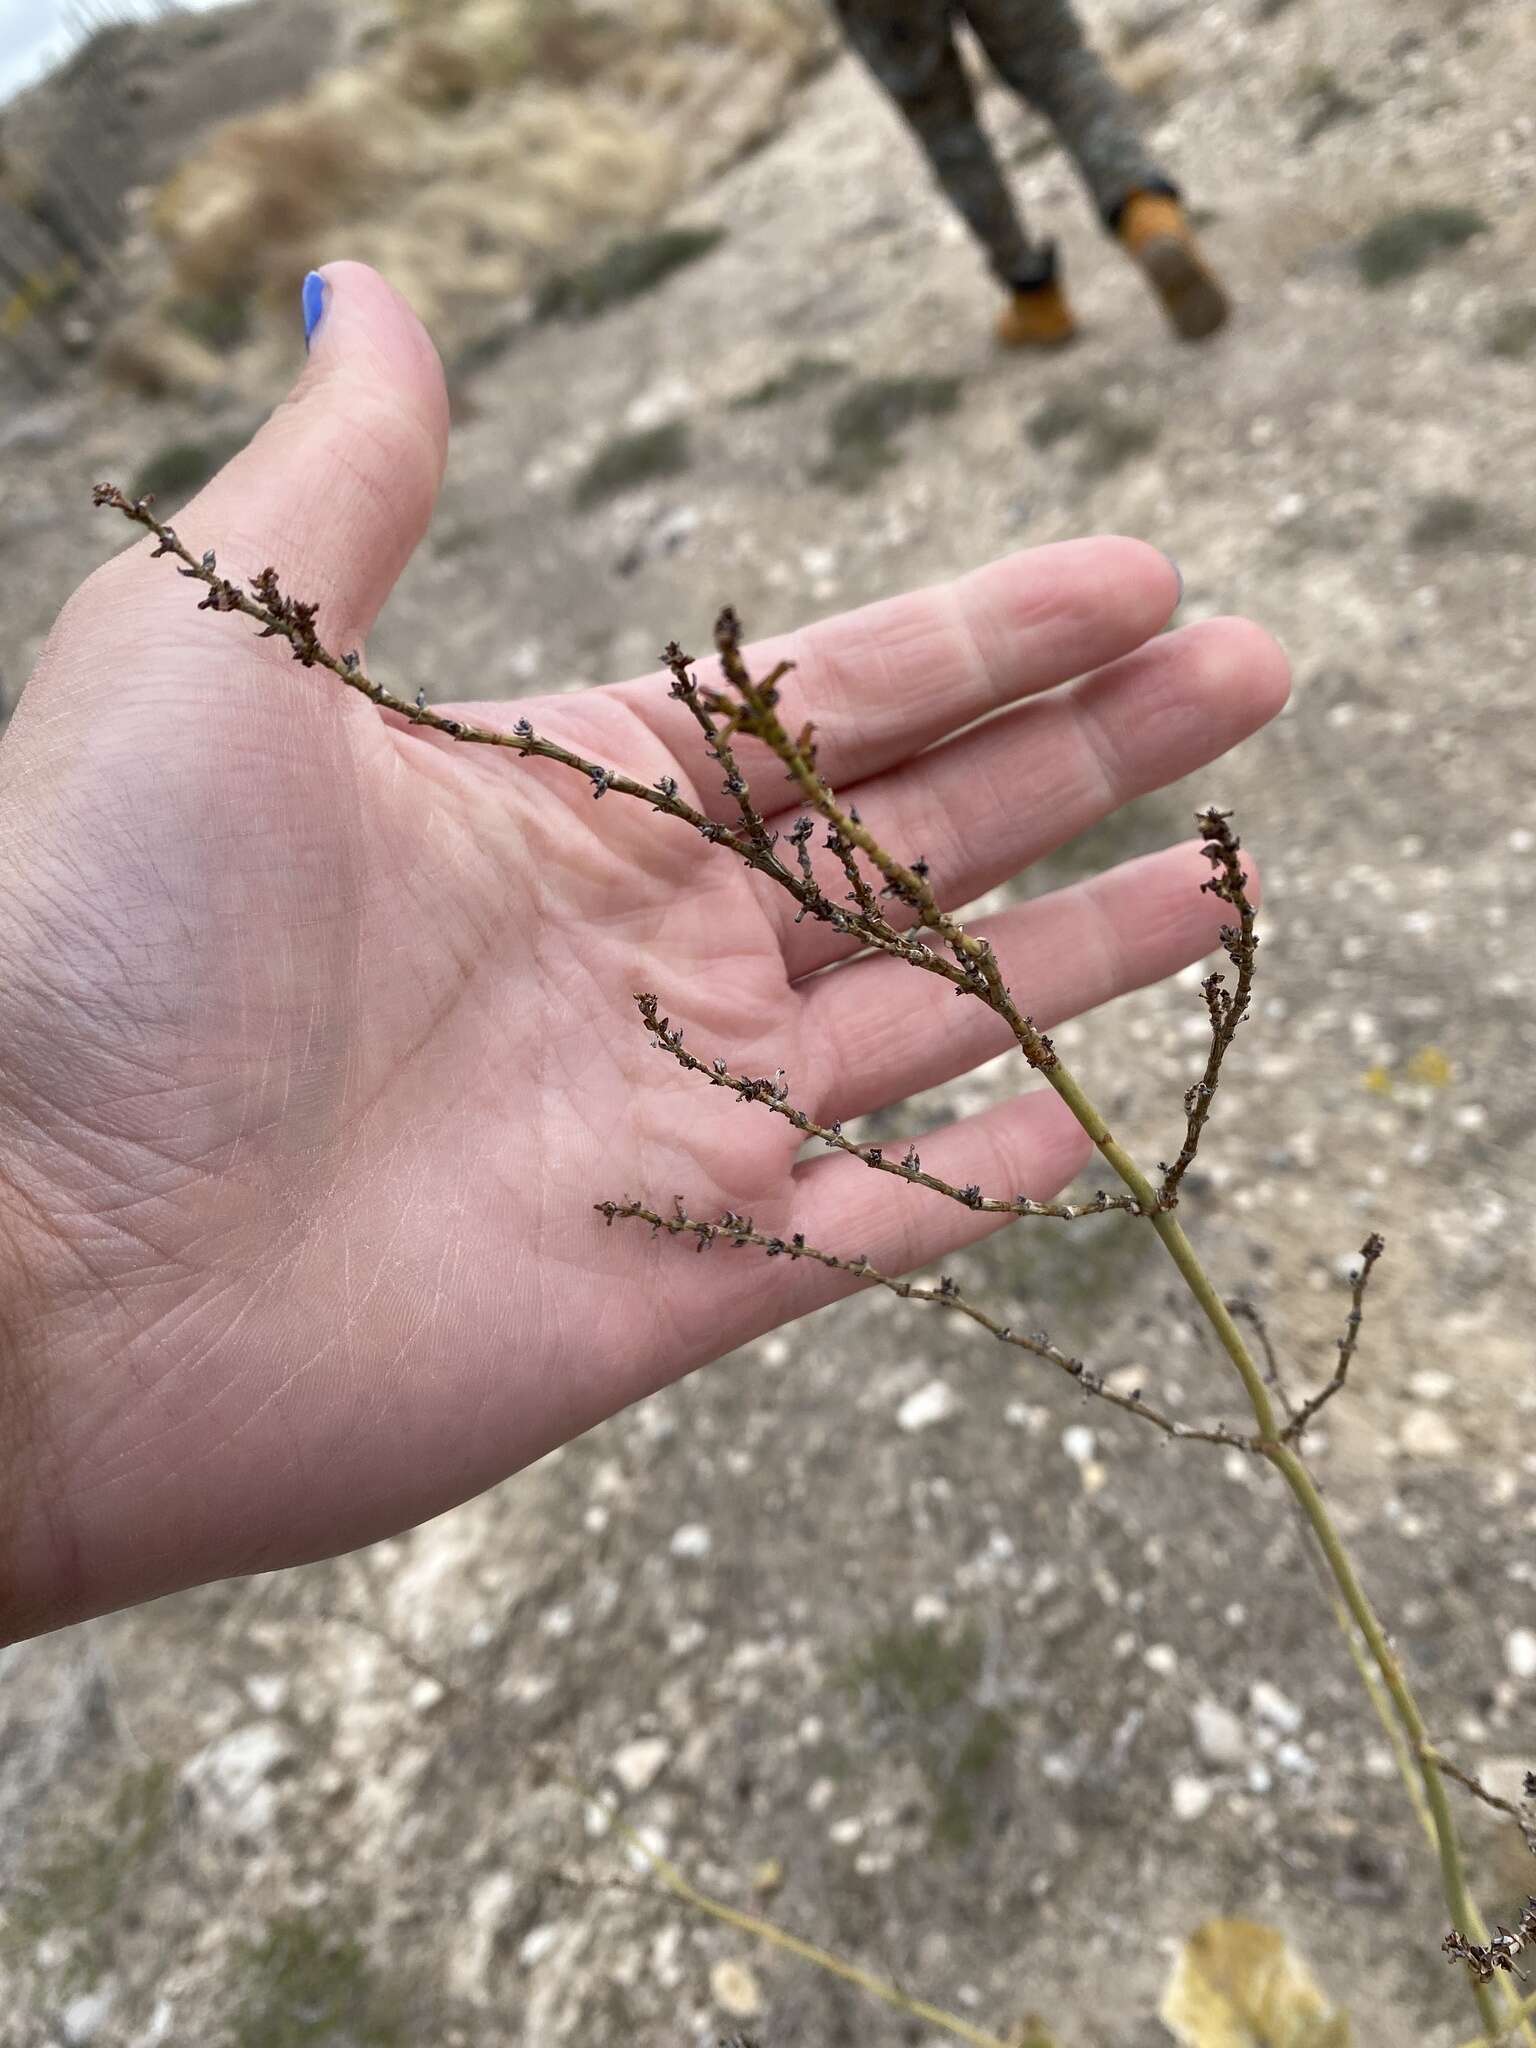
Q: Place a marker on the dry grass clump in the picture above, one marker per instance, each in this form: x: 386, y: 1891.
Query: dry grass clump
x: 468, y: 145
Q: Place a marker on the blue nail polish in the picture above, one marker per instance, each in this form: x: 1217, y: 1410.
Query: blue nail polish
x: 1173, y: 565
x: 314, y: 304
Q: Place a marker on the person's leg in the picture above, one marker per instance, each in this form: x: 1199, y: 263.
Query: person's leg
x: 909, y: 47
x: 1038, y: 47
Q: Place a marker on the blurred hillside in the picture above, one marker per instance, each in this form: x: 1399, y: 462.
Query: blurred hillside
x: 465, y: 147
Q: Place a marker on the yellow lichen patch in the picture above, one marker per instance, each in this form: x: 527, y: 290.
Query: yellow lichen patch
x: 1431, y: 1067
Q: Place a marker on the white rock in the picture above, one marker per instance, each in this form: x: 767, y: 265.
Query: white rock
x: 1162, y: 1658
x: 1190, y: 1796
x: 691, y: 1540
x: 425, y: 1694
x: 1505, y: 1776
x: 267, y: 1692
x: 1432, y: 1385
x: 735, y: 1990
x: 1026, y: 1415
x: 1425, y: 1433
x: 846, y: 1831
x: 1290, y: 1756
x: 644, y: 1849
x: 639, y: 1764
x: 665, y: 1967
x: 473, y: 1950
x: 159, y: 2027
x: 84, y: 2017
x: 931, y: 1404
x: 1220, y: 1736
x: 1520, y: 1652
x: 1271, y: 1705
x: 537, y: 1943
x: 1078, y: 1442
x: 230, y: 1777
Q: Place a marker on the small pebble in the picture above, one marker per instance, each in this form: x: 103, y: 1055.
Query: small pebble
x: 1220, y: 1736
x: 1432, y: 1384
x: 84, y: 2017
x: 267, y: 1692
x: 1425, y: 1433
x: 537, y: 1943
x: 1271, y: 1705
x: 735, y: 1990
x: 1520, y: 1652
x: 1079, y: 1443
x: 1190, y: 1796
x: 691, y: 1540
x: 931, y: 1404
x: 638, y: 1764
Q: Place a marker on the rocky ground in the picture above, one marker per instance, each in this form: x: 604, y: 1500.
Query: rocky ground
x: 977, y: 1685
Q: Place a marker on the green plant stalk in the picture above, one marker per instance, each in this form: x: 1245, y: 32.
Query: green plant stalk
x: 1459, y: 1903
x: 1386, y: 1714
x: 1523, y: 2008
x: 1516, y: 2017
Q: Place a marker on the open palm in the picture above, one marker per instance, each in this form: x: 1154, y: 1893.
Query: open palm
x: 320, y: 1039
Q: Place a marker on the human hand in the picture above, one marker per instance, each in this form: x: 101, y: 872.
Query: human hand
x: 319, y: 1032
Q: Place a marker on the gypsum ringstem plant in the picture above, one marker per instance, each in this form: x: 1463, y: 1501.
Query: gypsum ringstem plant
x: 921, y: 932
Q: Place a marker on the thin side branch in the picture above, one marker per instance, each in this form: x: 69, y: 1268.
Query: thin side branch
x: 739, y: 1232
x: 772, y: 1092
x: 1370, y: 1252
x: 672, y: 1879
x: 1522, y: 1816
x: 1225, y: 1007
x: 1248, y: 1311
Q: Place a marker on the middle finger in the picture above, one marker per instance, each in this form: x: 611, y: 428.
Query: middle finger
x: 985, y: 804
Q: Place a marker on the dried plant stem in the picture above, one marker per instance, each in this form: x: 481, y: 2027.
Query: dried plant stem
x: 969, y: 965
x: 1370, y: 1252
x: 668, y: 1875
x: 739, y: 1232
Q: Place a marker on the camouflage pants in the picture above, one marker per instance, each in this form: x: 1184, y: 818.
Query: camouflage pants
x: 1035, y: 46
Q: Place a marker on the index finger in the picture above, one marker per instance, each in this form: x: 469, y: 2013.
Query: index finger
x: 884, y: 682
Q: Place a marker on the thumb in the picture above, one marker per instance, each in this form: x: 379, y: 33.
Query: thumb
x: 337, y: 487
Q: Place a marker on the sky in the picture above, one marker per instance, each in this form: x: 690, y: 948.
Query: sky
x: 33, y: 36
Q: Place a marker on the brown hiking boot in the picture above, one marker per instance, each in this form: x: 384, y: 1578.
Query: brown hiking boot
x: 1157, y: 237
x: 1036, y: 316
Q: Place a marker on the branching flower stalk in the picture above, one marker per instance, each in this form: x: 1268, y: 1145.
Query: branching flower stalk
x: 891, y: 907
